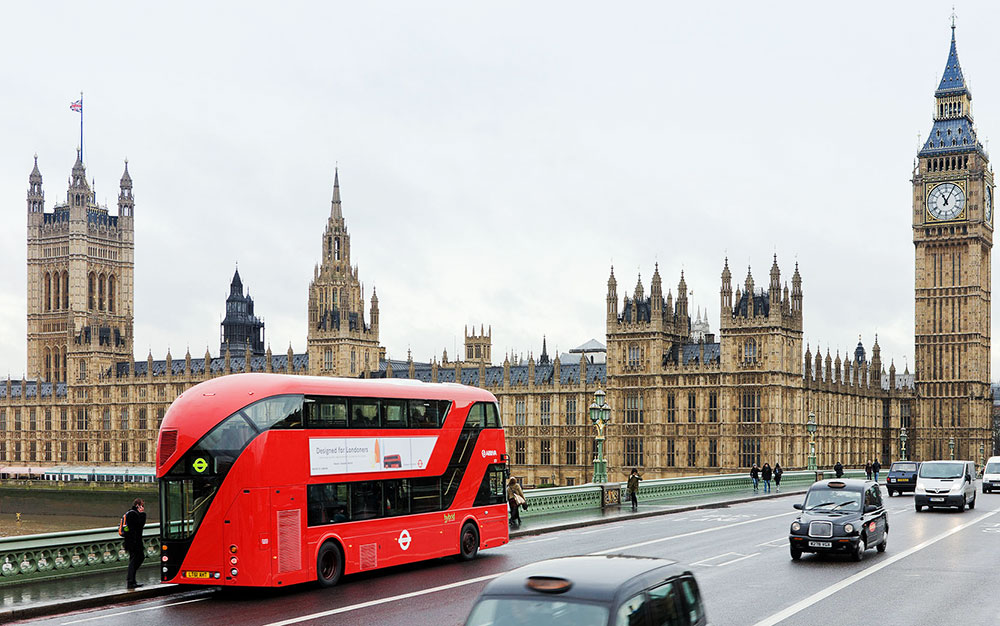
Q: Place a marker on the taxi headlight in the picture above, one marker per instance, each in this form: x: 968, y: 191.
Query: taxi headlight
x: 848, y: 528
x: 796, y: 527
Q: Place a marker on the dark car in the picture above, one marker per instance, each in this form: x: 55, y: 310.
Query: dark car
x: 841, y: 516
x: 611, y: 590
x: 902, y: 477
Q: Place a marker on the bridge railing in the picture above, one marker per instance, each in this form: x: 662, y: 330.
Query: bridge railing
x: 69, y: 553
x: 77, y: 552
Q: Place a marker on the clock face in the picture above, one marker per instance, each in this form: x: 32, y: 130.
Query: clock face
x: 989, y: 205
x: 946, y: 201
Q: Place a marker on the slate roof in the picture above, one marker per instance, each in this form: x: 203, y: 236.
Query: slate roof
x: 544, y: 374
x: 33, y: 388
x: 951, y: 135
x: 761, y: 305
x: 216, y: 366
x: 952, y: 80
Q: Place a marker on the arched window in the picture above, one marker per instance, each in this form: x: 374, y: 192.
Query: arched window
x: 336, y: 249
x: 750, y: 351
x: 48, y: 364
x: 91, y: 280
x: 328, y: 359
x: 65, y: 290
x: 62, y: 365
x: 101, y: 290
x: 112, y: 293
x: 47, y: 298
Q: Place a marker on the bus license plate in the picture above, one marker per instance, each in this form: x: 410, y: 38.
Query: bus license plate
x: 937, y: 499
x: 197, y: 574
x: 820, y: 544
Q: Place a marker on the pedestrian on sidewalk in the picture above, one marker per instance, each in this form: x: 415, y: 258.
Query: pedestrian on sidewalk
x: 868, y: 469
x: 876, y: 466
x: 633, y: 488
x: 755, y: 476
x: 515, y: 498
x: 777, y: 476
x: 838, y: 469
x: 766, y: 473
x: 132, y: 524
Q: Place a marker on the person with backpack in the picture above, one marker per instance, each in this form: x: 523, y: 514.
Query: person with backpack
x: 765, y: 475
x: 130, y: 529
x: 777, y: 476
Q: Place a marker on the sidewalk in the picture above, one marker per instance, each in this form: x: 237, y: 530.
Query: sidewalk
x: 51, y: 597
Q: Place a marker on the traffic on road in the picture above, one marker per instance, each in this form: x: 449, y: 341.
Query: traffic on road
x: 737, y: 554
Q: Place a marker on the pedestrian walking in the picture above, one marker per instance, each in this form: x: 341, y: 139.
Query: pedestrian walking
x: 633, y: 488
x: 777, y: 476
x: 515, y: 498
x: 876, y: 466
x: 765, y: 474
x: 838, y: 469
x: 755, y: 476
x: 868, y: 469
x: 131, y: 527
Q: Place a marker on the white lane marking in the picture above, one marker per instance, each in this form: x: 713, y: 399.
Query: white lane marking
x: 149, y: 608
x: 462, y: 583
x: 690, y: 534
x: 706, y: 562
x: 524, y: 543
x: 774, y: 543
x: 832, y: 589
x: 364, y: 605
x: 745, y: 556
x: 590, y: 532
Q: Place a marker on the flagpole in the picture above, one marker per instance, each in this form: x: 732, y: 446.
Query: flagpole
x: 81, y: 127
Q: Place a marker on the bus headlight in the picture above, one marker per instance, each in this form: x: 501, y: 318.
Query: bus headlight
x: 233, y: 560
x: 233, y: 549
x: 234, y: 571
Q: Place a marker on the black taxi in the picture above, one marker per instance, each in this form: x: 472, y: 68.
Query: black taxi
x: 841, y: 516
x: 597, y: 590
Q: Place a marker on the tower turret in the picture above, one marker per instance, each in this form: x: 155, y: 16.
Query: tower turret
x: 36, y: 197
x: 612, y: 298
x: 126, y: 204
x: 726, y: 292
x: 774, y: 289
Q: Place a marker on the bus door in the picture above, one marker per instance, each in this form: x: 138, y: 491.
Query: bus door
x: 288, y: 521
x: 252, y: 540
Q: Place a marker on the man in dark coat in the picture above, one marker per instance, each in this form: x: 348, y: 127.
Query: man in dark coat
x: 633, y: 487
x: 135, y: 521
x: 838, y: 469
x: 755, y: 476
x: 876, y: 466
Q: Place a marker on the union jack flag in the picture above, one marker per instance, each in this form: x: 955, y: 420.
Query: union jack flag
x: 77, y: 106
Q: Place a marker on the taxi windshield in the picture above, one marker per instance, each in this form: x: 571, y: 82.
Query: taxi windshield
x: 515, y: 612
x: 903, y: 467
x: 826, y: 499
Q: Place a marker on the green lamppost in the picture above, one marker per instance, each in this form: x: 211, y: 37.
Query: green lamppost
x: 951, y: 447
x: 902, y: 442
x: 982, y: 455
x: 811, y: 428
x: 600, y: 415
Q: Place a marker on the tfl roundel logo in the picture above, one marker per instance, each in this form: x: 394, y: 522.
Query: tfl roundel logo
x: 487, y: 453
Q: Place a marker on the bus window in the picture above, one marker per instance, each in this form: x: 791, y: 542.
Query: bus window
x: 327, y: 504
x: 477, y: 415
x: 397, y: 497
x: 492, y: 490
x: 326, y: 412
x: 276, y: 412
x: 492, y: 416
x: 425, y: 495
x: 428, y: 413
x: 366, y: 500
x: 364, y: 413
x: 220, y: 447
x: 394, y: 413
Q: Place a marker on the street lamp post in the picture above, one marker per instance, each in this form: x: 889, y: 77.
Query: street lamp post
x: 902, y: 442
x: 951, y: 447
x: 982, y: 455
x: 811, y: 428
x: 600, y: 415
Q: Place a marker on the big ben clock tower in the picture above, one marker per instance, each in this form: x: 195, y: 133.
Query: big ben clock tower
x: 952, y: 237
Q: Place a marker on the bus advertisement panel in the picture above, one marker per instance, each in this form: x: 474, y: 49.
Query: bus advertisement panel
x: 272, y: 480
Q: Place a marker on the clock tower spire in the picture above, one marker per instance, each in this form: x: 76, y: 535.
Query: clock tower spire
x: 953, y: 238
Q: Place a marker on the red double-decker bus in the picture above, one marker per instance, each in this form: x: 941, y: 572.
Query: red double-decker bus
x: 273, y: 480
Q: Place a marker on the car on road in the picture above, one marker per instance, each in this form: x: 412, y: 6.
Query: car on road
x: 902, y: 477
x: 945, y: 484
x: 841, y: 516
x: 991, y: 474
x: 605, y: 590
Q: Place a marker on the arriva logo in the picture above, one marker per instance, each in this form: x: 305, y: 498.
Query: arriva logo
x: 487, y: 453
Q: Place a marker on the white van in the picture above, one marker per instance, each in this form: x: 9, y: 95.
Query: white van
x: 945, y: 483
x: 991, y: 474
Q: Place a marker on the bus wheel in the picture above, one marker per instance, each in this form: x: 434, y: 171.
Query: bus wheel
x: 468, y: 543
x: 329, y: 564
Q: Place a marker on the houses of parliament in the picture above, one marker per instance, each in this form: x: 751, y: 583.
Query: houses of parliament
x: 684, y: 400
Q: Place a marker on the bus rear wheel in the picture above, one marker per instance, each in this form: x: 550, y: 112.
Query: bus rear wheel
x: 468, y: 542
x: 329, y: 564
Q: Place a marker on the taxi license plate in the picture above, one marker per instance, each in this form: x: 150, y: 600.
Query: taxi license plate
x: 820, y: 544
x: 937, y: 499
x: 197, y: 574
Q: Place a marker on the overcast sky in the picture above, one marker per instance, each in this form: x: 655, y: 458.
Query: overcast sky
x: 495, y: 160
